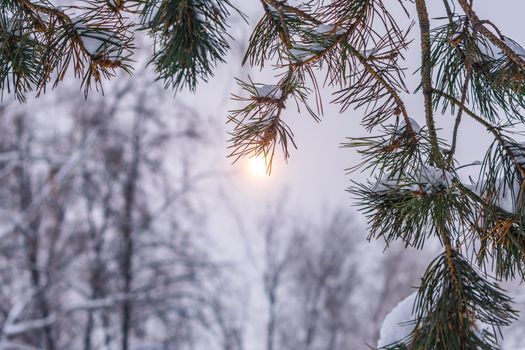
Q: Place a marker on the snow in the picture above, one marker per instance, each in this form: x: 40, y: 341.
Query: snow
x: 272, y: 9
x: 324, y: 29
x: 275, y: 11
x: 518, y: 150
x: 506, y: 198
x: 489, y: 49
x: 435, y: 177
x: 370, y: 52
x: 507, y: 195
x: 389, y: 182
x: 415, y: 125
x: 302, y: 52
x: 398, y: 324
x: 27, y: 326
x: 426, y: 177
x: 271, y: 91
x: 92, y: 45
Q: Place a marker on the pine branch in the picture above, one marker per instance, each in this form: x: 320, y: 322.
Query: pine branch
x: 479, y: 25
x: 191, y: 38
x: 459, y: 51
x: 426, y: 76
x: 447, y: 320
x: 491, y: 128
x: 94, y: 44
x: 282, y: 6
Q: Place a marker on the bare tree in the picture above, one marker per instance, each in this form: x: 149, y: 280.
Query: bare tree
x: 278, y: 256
x: 317, y: 286
x: 324, y: 277
x: 104, y: 228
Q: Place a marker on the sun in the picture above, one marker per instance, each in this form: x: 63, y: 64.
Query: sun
x: 257, y: 166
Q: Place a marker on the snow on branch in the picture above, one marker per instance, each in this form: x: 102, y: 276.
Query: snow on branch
x: 399, y: 323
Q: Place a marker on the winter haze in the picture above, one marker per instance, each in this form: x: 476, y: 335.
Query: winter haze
x: 125, y: 225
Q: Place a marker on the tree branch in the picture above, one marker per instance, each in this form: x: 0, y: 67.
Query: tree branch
x: 491, y: 128
x: 426, y: 80
x: 464, y: 93
x: 479, y: 24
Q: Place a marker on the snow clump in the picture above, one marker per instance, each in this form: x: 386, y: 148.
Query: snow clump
x: 399, y: 323
x: 427, y: 178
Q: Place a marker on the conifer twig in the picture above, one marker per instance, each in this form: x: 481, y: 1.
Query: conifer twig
x: 426, y: 80
x: 499, y: 43
x: 457, y: 122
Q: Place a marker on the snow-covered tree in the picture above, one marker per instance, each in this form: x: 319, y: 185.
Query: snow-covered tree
x: 101, y: 242
x: 468, y: 69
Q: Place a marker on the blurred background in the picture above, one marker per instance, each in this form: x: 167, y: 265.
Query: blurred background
x: 124, y: 225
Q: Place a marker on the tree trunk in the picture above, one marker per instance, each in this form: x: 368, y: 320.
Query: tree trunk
x: 126, y: 265
x: 32, y: 240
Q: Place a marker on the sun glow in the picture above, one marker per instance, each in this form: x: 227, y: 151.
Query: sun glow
x: 257, y: 166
